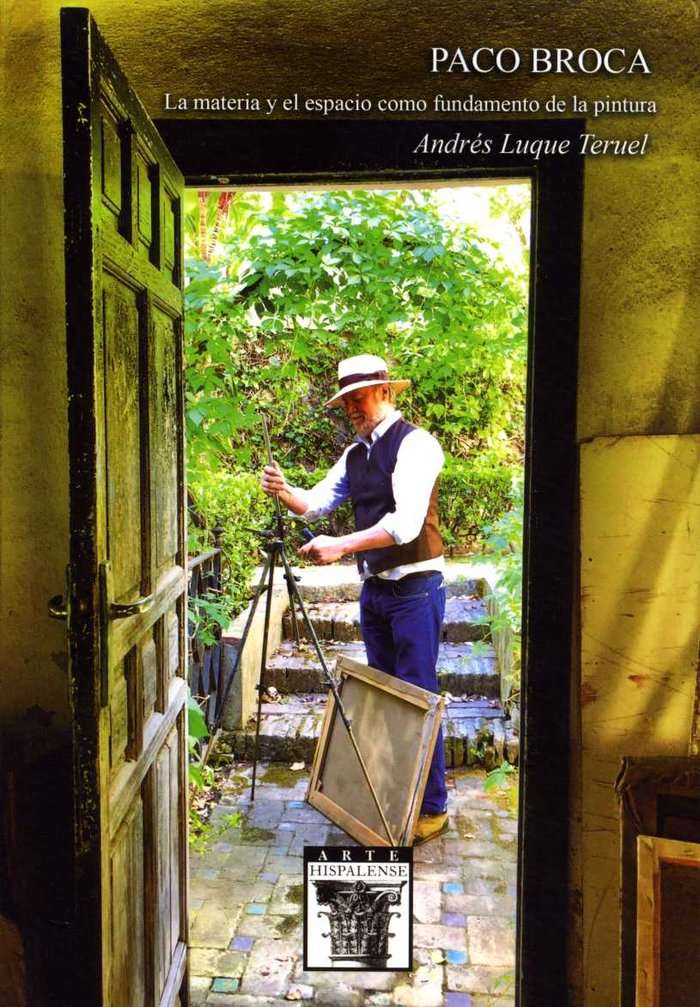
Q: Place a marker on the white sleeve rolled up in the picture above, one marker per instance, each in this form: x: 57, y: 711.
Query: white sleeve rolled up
x: 327, y: 494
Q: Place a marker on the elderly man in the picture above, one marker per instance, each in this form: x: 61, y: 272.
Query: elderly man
x: 390, y: 474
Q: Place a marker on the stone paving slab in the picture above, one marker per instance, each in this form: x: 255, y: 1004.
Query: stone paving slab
x: 213, y: 961
x: 266, y: 927
x: 490, y: 938
x: 427, y: 901
x: 211, y: 928
x: 246, y: 947
x: 356, y: 979
x: 479, y: 979
x: 270, y: 967
x: 226, y: 1000
x: 422, y: 989
x: 438, y: 936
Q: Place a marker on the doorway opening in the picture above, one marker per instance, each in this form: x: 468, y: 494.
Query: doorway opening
x: 283, y: 284
x: 297, y: 153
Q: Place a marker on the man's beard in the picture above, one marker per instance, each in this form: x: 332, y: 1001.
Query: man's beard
x: 364, y: 427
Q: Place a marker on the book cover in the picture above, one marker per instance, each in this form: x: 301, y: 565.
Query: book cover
x: 595, y: 105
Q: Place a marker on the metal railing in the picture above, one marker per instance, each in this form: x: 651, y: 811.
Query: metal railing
x: 204, y: 657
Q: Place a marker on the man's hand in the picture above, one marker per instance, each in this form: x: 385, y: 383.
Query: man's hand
x: 323, y: 549
x: 272, y: 480
x: 273, y: 483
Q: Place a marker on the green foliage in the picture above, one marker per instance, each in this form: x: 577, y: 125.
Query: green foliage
x: 496, y: 779
x: 325, y: 275
x: 201, y: 777
x: 338, y: 522
x: 504, y: 983
x: 505, y: 539
x: 196, y: 724
x: 504, y: 778
x: 207, y: 615
x: 508, y: 203
x: 197, y: 731
x: 234, y: 501
x: 473, y: 491
x: 203, y: 832
x: 200, y: 833
x: 293, y: 282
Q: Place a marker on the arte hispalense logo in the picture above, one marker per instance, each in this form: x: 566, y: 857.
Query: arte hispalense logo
x: 358, y: 907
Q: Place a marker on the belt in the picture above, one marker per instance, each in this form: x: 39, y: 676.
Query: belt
x: 385, y: 582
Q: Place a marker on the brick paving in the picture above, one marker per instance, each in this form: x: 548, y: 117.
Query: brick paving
x: 246, y: 903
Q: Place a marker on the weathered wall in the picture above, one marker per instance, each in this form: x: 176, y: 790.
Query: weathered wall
x: 33, y: 472
x: 640, y: 596
x: 639, y: 312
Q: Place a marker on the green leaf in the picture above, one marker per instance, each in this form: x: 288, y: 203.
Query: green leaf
x: 196, y: 724
x: 195, y: 775
x: 497, y: 778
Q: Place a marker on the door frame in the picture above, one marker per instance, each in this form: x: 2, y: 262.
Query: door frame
x: 298, y: 153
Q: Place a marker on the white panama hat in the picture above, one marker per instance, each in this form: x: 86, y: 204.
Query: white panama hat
x: 362, y: 372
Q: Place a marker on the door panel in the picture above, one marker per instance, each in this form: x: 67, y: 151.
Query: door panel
x: 165, y: 824
x: 127, y: 601
x: 127, y: 922
x: 122, y: 436
x: 164, y: 434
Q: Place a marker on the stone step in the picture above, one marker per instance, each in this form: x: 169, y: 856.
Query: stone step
x: 475, y: 732
x: 341, y: 582
x: 463, y: 668
x: 340, y: 621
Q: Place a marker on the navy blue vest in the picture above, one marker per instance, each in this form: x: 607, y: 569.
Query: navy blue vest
x: 373, y: 497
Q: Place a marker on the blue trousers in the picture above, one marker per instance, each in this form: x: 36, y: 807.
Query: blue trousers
x: 401, y: 624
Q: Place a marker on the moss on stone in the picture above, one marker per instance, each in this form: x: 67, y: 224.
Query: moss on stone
x: 288, y: 924
x: 251, y: 834
x: 237, y: 782
x: 281, y: 776
x: 295, y: 894
x: 466, y: 827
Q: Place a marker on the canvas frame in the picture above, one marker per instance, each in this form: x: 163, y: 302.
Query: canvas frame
x: 399, y: 772
x: 646, y: 785
x: 652, y: 853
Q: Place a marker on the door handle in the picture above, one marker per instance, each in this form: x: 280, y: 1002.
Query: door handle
x: 138, y: 607
x: 57, y: 607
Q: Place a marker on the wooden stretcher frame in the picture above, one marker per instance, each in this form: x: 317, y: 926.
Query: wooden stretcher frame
x: 652, y: 852
x: 338, y: 788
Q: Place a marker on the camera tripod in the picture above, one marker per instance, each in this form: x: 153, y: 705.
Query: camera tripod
x: 273, y: 546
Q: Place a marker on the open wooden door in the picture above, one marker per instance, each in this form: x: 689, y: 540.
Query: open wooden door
x: 126, y: 597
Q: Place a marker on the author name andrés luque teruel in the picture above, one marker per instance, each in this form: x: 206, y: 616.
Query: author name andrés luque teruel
x: 535, y: 147
x: 487, y: 59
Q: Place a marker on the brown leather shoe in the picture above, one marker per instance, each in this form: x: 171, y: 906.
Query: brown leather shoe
x: 429, y: 827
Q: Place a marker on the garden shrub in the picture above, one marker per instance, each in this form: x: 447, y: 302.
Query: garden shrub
x: 504, y: 540
x: 235, y: 502
x: 473, y: 493
x: 293, y: 287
